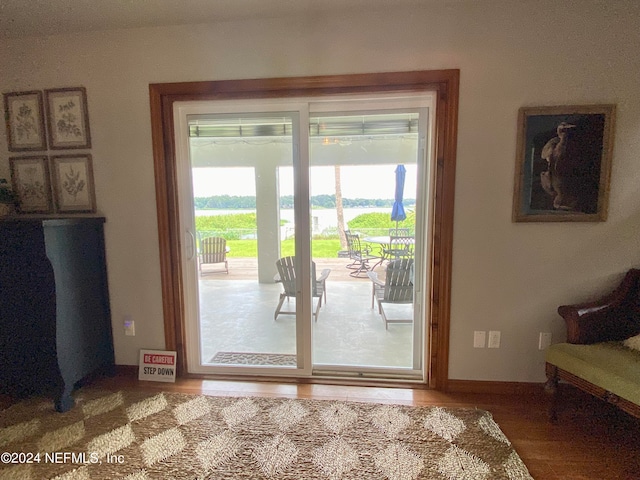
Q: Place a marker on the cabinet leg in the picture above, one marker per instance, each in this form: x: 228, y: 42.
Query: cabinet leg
x: 551, y: 389
x: 64, y: 401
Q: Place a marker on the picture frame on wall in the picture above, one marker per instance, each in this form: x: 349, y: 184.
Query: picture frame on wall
x: 563, y: 163
x: 24, y: 118
x: 30, y: 182
x: 68, y: 118
x: 73, y: 185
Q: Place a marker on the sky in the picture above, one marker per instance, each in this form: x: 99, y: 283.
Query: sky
x: 357, y: 181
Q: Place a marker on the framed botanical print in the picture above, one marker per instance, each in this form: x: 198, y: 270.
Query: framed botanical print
x: 24, y: 115
x: 73, y: 183
x: 30, y: 179
x: 563, y: 163
x: 68, y: 118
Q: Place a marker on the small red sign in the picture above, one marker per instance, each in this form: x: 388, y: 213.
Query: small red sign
x: 159, y: 359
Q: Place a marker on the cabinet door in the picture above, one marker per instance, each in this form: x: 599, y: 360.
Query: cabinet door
x: 84, y: 340
x: 27, y: 310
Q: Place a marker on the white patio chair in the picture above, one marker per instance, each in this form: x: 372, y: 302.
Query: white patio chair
x: 287, y: 276
x: 397, y: 288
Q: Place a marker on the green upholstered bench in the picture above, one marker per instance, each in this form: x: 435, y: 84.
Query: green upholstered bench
x: 594, y: 358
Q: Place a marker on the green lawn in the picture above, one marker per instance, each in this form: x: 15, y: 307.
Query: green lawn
x: 325, y: 248
x: 233, y: 227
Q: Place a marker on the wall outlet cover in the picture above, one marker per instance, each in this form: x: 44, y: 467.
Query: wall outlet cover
x: 129, y: 327
x: 544, y: 341
x: 494, y: 339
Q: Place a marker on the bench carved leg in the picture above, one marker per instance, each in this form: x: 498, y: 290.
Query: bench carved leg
x: 551, y: 389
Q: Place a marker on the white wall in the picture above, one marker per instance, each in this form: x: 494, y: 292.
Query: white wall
x: 508, y: 277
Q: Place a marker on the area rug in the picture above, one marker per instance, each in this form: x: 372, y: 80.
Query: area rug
x: 245, y: 358
x: 137, y: 435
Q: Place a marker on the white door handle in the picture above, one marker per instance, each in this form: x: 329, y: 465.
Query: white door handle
x: 192, y: 244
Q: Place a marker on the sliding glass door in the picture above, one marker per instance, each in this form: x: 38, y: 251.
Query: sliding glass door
x: 267, y: 193
x: 373, y: 327
x: 237, y: 228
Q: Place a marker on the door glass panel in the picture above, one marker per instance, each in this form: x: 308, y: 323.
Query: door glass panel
x: 243, y: 226
x: 360, y: 165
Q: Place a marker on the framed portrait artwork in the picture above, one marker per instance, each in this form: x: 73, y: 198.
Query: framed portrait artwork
x: 68, y: 118
x: 25, y: 121
x: 30, y: 181
x: 563, y: 163
x: 73, y: 186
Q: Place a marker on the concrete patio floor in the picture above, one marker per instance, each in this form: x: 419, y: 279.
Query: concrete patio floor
x: 236, y: 314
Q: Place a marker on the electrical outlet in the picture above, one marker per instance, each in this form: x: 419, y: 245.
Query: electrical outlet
x: 129, y: 326
x: 478, y: 339
x: 544, y: 341
x: 494, y: 339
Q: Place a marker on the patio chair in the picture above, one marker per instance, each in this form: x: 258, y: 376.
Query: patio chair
x: 213, y: 250
x: 287, y: 276
x: 400, y: 246
x: 360, y: 256
x: 397, y: 288
x: 395, y: 232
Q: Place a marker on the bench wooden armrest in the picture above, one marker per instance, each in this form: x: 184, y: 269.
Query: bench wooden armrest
x: 613, y: 317
x: 373, y: 276
x: 323, y: 275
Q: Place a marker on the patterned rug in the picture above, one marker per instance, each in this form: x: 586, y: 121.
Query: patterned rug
x: 137, y: 435
x: 245, y: 358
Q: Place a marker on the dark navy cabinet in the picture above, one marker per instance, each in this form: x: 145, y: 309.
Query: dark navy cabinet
x: 55, y: 322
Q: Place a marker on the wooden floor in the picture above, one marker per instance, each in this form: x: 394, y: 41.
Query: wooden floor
x: 592, y: 440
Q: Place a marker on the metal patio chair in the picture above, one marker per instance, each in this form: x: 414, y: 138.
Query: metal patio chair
x: 359, y: 255
x: 400, y: 246
x: 402, y: 231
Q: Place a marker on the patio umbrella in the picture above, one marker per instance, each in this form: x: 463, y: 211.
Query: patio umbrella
x: 397, y: 212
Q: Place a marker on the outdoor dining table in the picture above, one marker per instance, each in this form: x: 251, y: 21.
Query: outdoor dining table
x: 385, y: 244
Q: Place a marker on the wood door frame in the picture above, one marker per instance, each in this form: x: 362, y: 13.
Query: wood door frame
x: 445, y: 85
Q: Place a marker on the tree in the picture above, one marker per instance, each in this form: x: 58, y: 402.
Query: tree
x: 339, y: 208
